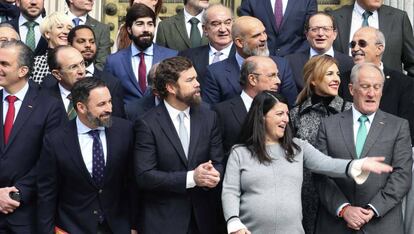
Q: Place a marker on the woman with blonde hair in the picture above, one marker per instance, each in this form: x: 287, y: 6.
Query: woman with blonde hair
x: 55, y: 29
x: 318, y: 99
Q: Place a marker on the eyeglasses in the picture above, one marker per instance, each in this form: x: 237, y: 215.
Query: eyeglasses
x: 325, y: 29
x: 361, y: 43
x: 270, y: 76
x: 75, y: 67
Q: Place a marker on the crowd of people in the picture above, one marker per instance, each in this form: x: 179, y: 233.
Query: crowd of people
x: 281, y: 120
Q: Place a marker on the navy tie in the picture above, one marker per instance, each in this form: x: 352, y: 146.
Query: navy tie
x: 98, y: 161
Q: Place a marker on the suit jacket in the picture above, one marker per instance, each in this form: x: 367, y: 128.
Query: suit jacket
x: 231, y: 115
x: 199, y: 56
x: 290, y: 38
x: 68, y: 196
x: 102, y: 40
x: 9, y: 10
x: 161, y: 168
x: 397, y: 95
x: 114, y: 85
x: 138, y: 108
x: 39, y: 114
x: 119, y: 65
x: 41, y: 46
x: 395, y: 25
x: 297, y: 62
x: 222, y: 80
x: 172, y: 33
x: 388, y: 136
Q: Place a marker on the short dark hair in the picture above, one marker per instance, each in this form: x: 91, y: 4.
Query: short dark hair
x: 68, y: 2
x: 248, y: 67
x: 136, y: 11
x: 168, y: 71
x: 52, y: 57
x: 157, y: 6
x: 25, y: 56
x: 82, y: 88
x: 72, y: 32
x: 320, y: 13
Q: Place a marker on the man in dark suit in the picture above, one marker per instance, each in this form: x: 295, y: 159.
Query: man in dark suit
x: 84, y: 179
x: 183, y: 30
x: 368, y: 45
x: 8, y: 11
x: 217, y: 21
x: 222, y: 78
x: 78, y: 12
x: 321, y: 31
x: 178, y: 156
x: 288, y: 37
x: 131, y: 65
x: 68, y: 66
x: 82, y: 38
x: 27, y: 115
x: 394, y: 23
x: 257, y: 74
x: 27, y: 24
x: 365, y: 131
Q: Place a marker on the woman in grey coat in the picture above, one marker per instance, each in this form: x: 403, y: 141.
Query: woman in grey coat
x: 318, y: 99
x: 262, y: 184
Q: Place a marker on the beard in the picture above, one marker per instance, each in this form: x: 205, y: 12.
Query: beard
x: 190, y: 99
x: 255, y: 51
x: 100, y: 121
x: 142, y: 42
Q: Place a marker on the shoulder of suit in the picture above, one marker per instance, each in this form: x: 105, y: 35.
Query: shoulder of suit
x: 166, y: 22
x: 166, y: 50
x: 121, y: 123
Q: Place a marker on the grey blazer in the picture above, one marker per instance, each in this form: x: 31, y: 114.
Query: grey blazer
x: 388, y: 136
x: 395, y: 25
x: 102, y: 39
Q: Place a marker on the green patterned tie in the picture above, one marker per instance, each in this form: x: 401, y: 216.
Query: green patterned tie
x: 195, y: 36
x: 71, y: 111
x: 30, y: 36
x: 365, y: 16
x: 361, y: 135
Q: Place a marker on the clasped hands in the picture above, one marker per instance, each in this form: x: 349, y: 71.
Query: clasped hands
x: 356, y: 217
x: 7, y: 205
x: 205, y: 175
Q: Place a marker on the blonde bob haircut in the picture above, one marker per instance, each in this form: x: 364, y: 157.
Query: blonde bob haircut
x: 54, y: 19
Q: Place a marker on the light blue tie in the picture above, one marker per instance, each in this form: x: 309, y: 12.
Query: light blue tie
x: 182, y: 133
x: 365, y: 16
x: 361, y: 135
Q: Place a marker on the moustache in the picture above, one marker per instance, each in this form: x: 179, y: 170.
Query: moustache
x: 358, y: 52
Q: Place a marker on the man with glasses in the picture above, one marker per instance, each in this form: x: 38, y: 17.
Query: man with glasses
x: 320, y: 31
x: 394, y: 23
x: 368, y: 45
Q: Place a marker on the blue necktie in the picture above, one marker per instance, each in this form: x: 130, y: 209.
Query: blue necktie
x: 365, y: 17
x: 76, y: 21
x: 98, y: 161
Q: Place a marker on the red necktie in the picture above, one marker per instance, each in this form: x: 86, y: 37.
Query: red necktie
x: 142, y: 72
x: 278, y: 13
x: 8, y: 123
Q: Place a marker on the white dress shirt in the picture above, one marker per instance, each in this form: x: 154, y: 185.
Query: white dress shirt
x: 355, y: 116
x: 247, y: 100
x: 173, y: 113
x: 23, y: 28
x: 313, y: 52
x: 82, y: 18
x: 64, y: 95
x: 284, y: 4
x: 17, y: 104
x: 224, y: 53
x: 86, y: 143
x: 149, y: 56
x: 90, y: 70
x: 187, y: 18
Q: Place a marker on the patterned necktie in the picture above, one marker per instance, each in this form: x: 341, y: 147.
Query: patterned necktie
x: 8, y: 123
x: 365, y: 16
x: 216, y: 57
x: 195, y: 36
x: 98, y: 160
x: 278, y: 13
x: 76, y: 21
x: 30, y: 36
x: 182, y: 133
x: 70, y: 111
x: 361, y: 135
x: 142, y: 72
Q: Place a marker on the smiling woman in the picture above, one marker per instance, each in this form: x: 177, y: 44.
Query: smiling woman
x: 55, y: 29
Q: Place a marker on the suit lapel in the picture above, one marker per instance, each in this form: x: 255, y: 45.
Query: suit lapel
x: 239, y: 110
x: 344, y: 28
x: 180, y: 25
x: 348, y: 132
x: 129, y: 69
x: 289, y: 8
x: 271, y: 14
x: 168, y: 128
x: 375, y: 130
x: 110, y: 137
x: 72, y: 146
x: 385, y: 22
x: 386, y: 80
x: 202, y: 57
x: 195, y: 128
x: 233, y: 71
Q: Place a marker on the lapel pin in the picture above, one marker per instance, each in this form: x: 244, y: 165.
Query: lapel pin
x: 381, y: 123
x: 30, y: 106
x: 387, y: 77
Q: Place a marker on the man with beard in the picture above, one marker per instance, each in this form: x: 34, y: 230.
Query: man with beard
x: 178, y: 156
x: 222, y: 78
x: 131, y: 65
x: 27, y: 24
x: 84, y: 168
x: 78, y: 12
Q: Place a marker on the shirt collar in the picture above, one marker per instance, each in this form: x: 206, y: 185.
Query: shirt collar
x: 313, y: 52
x: 239, y: 59
x: 225, y: 51
x: 23, y: 20
x: 356, y: 114
x: 20, y: 94
x: 90, y: 70
x: 64, y: 92
x: 187, y: 16
x: 174, y: 112
x: 359, y: 10
x: 83, y: 129
x: 247, y: 100
x: 82, y: 17
x: 148, y: 51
